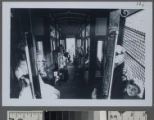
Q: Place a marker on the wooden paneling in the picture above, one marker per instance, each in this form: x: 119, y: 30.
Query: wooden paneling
x: 108, y: 50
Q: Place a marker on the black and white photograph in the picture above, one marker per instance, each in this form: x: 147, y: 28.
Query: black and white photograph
x: 67, y: 53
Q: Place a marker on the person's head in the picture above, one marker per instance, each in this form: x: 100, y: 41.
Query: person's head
x: 66, y: 54
x: 119, y: 55
x: 24, y: 81
x: 132, y: 89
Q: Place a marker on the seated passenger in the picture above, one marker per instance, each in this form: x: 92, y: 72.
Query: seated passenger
x: 62, y: 67
x: 22, y: 74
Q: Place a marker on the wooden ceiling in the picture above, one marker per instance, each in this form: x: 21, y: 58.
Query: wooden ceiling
x: 67, y: 21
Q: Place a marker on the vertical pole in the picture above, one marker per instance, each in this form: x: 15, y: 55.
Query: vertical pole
x: 85, y: 41
x: 113, y: 65
x: 29, y: 68
x: 93, y: 45
x: 32, y: 53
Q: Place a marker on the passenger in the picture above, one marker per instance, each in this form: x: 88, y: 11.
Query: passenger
x: 78, y: 56
x: 119, y: 55
x: 22, y: 74
x: 124, y: 85
x: 79, y: 63
x: 62, y: 67
x: 87, y: 58
x: 133, y: 89
x: 66, y: 54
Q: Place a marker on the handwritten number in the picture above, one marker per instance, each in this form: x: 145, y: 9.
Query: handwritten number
x: 140, y: 3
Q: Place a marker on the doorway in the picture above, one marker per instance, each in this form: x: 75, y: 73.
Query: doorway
x: 70, y: 47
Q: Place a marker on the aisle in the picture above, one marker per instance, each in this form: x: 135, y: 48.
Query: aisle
x: 75, y: 87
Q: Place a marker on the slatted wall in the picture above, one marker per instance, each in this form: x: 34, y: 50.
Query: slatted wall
x: 134, y: 43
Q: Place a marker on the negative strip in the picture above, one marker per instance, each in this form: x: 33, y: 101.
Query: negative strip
x: 77, y: 115
x: 60, y: 56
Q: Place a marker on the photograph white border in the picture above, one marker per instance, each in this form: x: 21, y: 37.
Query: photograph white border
x: 6, y: 101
